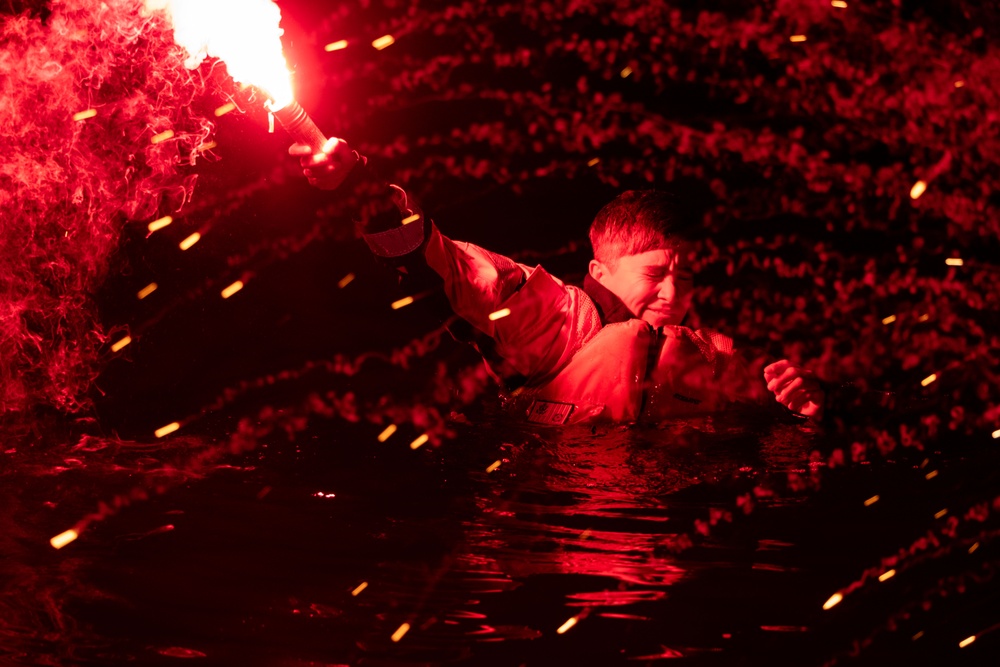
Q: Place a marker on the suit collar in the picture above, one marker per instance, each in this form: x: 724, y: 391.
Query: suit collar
x: 610, y: 308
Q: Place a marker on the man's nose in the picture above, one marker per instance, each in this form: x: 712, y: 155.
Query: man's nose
x: 667, y: 289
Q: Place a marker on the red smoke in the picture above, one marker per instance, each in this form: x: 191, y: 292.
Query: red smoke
x: 67, y: 187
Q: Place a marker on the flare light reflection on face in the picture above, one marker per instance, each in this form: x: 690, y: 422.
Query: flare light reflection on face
x: 656, y: 286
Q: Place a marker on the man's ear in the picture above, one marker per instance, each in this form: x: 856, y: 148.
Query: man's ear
x: 598, y: 271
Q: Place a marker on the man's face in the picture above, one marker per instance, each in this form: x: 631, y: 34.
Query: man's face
x: 655, y: 285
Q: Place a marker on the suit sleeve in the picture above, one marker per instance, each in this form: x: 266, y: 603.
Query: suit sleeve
x: 547, y: 321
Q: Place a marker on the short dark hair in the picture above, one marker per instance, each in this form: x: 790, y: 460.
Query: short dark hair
x: 637, y: 221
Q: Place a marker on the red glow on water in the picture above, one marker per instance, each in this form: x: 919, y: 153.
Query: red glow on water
x: 666, y: 652
x: 179, y: 652
x: 626, y: 617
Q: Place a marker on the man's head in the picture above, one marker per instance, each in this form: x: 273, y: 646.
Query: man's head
x: 642, y: 254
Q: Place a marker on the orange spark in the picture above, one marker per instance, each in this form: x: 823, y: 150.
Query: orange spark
x: 167, y: 430
x: 357, y: 591
x: 973, y: 547
x: 493, y: 466
x: 594, y: 162
x: 626, y: 72
x: 797, y: 38
x: 954, y: 261
x: 924, y: 317
x: 420, y: 441
x: 871, y: 501
x: 232, y: 289
x: 190, y: 241
x: 839, y: 4
x: 931, y: 475
x: 387, y: 433
x: 500, y: 314
x: 160, y: 223
x: 567, y: 625
x: 889, y: 320
x: 965, y: 642
x: 938, y: 515
x: 996, y: 434
x: 120, y: 345
x: 207, y: 147
x: 384, y: 41
x: 336, y: 46
x: 888, y: 574
x: 398, y: 634
x: 224, y: 109
x: 918, y: 635
x: 918, y: 189
x: 405, y: 301
x: 84, y: 115
x: 412, y: 218
x: 959, y: 84
x: 147, y: 290
x: 162, y: 136
x: 346, y: 280
x: 62, y: 539
x: 833, y: 601
x: 929, y: 379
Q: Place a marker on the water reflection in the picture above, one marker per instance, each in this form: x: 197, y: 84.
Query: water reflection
x: 574, y: 527
x: 584, y: 505
x: 461, y: 567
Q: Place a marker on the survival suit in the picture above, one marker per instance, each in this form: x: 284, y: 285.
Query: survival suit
x: 580, y: 354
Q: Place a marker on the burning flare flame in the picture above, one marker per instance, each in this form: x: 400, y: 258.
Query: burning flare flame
x: 245, y: 34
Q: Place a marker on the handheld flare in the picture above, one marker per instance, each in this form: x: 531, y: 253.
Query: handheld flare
x: 251, y: 49
x: 300, y: 125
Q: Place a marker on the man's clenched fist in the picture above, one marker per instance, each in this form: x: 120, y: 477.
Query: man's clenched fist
x: 796, y: 388
x: 328, y: 168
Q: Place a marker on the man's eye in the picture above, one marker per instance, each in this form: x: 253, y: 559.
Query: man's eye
x: 662, y: 275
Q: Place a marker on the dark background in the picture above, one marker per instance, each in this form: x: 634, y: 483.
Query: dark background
x: 797, y: 158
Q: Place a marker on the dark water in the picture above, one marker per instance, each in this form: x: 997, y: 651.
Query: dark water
x: 254, y: 563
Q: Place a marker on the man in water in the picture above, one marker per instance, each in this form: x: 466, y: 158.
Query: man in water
x: 615, y: 349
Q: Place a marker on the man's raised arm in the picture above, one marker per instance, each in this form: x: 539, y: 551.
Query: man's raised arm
x: 546, y: 318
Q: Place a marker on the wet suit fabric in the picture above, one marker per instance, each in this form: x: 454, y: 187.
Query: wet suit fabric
x: 580, y: 354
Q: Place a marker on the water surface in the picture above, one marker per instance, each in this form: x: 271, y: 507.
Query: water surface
x: 658, y: 542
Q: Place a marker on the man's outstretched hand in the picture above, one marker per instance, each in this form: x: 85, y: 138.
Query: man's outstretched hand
x: 328, y: 168
x: 796, y: 388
